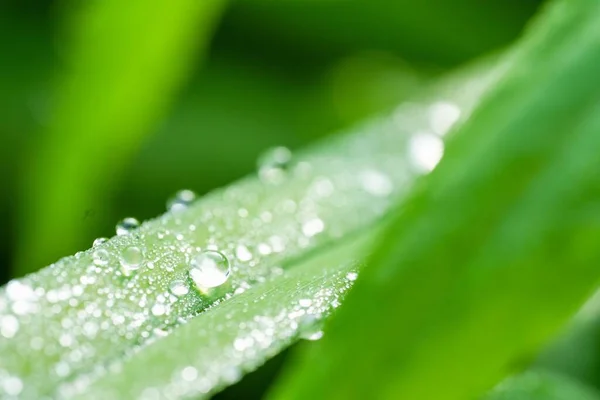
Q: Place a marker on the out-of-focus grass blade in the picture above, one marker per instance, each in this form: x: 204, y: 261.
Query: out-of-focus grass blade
x: 495, y: 250
x: 537, y: 385
x: 124, y: 62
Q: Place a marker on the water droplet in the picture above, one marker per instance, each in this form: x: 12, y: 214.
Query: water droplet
x: 376, y: 183
x: 209, y: 269
x: 100, y: 257
x: 158, y: 309
x: 316, y: 335
x: 181, y: 200
x: 12, y: 385
x: 99, y: 241
x: 178, y: 288
x: 312, y: 227
x: 189, y: 374
x: 351, y: 276
x: 242, y: 253
x: 442, y: 116
x: 425, y: 151
x: 305, y: 303
x: 9, y: 326
x: 125, y: 226
x: 310, y: 327
x: 273, y: 164
x: 131, y: 259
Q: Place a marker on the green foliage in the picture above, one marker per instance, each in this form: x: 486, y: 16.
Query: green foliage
x: 495, y: 250
x: 537, y: 385
x: 468, y: 271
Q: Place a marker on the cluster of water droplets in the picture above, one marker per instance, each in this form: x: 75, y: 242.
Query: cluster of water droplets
x: 87, y: 310
x: 249, y: 331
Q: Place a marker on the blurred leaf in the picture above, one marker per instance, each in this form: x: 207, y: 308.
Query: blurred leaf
x: 536, y: 385
x: 124, y: 62
x: 576, y: 353
x: 495, y: 250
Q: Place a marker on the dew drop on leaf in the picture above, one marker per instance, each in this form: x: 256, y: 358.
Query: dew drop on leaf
x: 100, y: 257
x: 181, y: 200
x: 312, y: 227
x: 310, y: 328
x: 425, y: 151
x: 209, y: 269
x: 158, y: 309
x: 178, y: 288
x: 376, y: 183
x: 9, y: 326
x: 125, y: 226
x: 97, y: 242
x: 131, y: 259
x: 242, y: 253
x: 351, y: 276
x: 273, y: 165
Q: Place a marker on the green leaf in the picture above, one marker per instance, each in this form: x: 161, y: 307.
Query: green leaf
x: 69, y: 322
x: 495, y: 250
x: 537, y: 385
x: 124, y: 64
x: 216, y: 348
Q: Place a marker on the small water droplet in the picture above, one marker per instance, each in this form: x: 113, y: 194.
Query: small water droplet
x: 12, y: 385
x: 316, y: 335
x: 125, y: 226
x: 158, y: 309
x: 305, y: 303
x: 131, y: 259
x: 242, y: 253
x: 425, y: 151
x: 376, y: 183
x: 9, y: 326
x: 351, y: 276
x: 100, y: 257
x: 209, y: 269
x: 443, y: 115
x: 310, y: 327
x: 189, y: 374
x: 181, y: 200
x: 99, y: 241
x: 274, y: 164
x: 313, y: 227
x: 178, y: 288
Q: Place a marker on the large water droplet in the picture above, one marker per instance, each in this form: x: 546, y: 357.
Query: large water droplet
x: 273, y: 164
x: 131, y: 259
x: 209, y: 269
x: 125, y: 226
x: 178, y: 288
x: 181, y: 200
